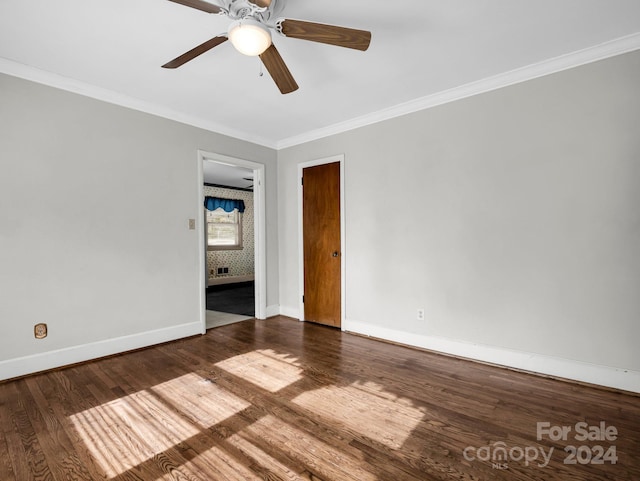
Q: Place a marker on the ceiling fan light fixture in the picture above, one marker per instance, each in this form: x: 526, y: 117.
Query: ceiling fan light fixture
x: 249, y: 37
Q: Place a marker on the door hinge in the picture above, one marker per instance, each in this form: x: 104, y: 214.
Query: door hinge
x: 303, y: 299
x: 301, y: 180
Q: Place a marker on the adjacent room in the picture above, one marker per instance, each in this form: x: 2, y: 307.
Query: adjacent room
x: 278, y: 240
x: 230, y: 246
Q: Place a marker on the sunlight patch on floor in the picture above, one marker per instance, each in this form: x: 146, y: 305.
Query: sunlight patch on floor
x: 258, y: 456
x: 126, y: 432
x: 215, y: 463
x: 201, y: 400
x: 264, y: 368
x: 367, y: 409
x: 324, y: 460
x: 154, y: 426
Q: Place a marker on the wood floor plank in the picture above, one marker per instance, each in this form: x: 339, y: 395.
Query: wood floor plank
x: 65, y: 406
x: 281, y: 400
x: 58, y: 450
x: 6, y: 471
x: 27, y: 456
x: 6, y: 459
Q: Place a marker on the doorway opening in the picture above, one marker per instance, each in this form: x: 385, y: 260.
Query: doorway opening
x: 232, y: 256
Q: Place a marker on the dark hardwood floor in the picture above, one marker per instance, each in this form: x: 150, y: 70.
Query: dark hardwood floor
x: 284, y: 400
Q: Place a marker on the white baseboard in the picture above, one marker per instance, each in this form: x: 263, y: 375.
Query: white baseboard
x: 63, y: 357
x: 625, y: 379
x: 217, y: 281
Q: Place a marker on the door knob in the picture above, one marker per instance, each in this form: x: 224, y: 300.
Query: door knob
x: 335, y: 254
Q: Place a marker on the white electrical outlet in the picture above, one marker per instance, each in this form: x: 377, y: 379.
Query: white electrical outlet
x: 420, y: 315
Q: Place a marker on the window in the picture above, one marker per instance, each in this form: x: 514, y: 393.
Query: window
x: 224, y: 229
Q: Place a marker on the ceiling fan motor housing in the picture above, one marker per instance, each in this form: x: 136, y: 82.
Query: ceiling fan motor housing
x: 262, y: 11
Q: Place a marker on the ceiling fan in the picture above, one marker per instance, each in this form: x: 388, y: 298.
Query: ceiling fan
x: 250, y: 34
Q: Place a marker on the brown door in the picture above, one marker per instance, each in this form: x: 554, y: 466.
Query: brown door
x: 321, y: 243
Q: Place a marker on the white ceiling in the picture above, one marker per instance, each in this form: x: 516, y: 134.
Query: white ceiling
x: 113, y: 49
x: 227, y: 175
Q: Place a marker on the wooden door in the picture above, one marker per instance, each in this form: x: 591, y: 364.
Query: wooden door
x: 321, y: 243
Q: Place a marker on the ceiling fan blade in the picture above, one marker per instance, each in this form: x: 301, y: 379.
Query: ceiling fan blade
x: 200, y: 5
x: 194, y: 52
x: 277, y: 68
x: 261, y: 3
x: 330, y: 34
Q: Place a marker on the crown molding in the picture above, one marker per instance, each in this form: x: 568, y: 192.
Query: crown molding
x: 61, y: 82
x: 557, y: 64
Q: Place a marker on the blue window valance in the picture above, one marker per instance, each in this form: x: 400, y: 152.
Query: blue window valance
x: 212, y: 203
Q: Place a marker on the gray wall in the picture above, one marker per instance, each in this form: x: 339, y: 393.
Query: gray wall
x: 515, y: 218
x: 92, y: 195
x: 514, y: 212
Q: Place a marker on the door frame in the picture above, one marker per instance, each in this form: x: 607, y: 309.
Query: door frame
x: 260, y: 249
x: 301, y: 166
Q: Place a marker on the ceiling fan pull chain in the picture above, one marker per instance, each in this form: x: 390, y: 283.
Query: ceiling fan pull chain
x: 260, y: 73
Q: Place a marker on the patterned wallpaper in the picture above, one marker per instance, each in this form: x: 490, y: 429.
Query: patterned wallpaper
x: 239, y: 262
